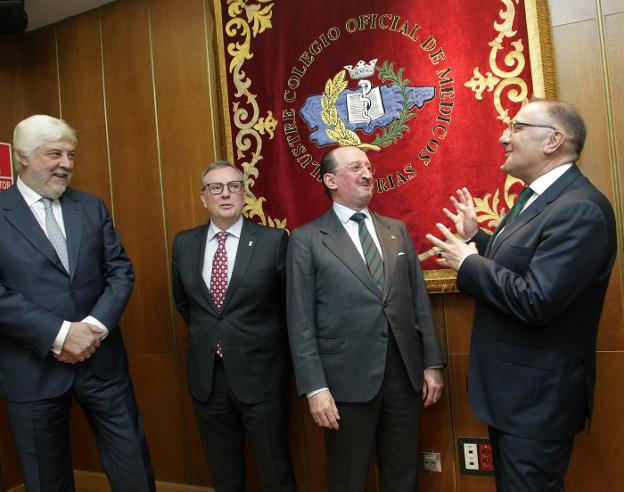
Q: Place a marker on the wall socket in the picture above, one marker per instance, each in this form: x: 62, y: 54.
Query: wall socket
x: 475, y: 456
x: 432, y: 462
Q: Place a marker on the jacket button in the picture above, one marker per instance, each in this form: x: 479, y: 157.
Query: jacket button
x: 384, y: 334
x: 220, y: 317
x: 385, y: 304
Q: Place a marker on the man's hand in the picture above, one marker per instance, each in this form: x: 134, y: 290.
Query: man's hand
x: 81, y: 342
x: 323, y: 410
x: 452, y: 252
x: 432, y: 386
x: 465, y: 218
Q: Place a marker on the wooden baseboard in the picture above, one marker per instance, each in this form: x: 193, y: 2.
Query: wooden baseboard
x: 96, y: 482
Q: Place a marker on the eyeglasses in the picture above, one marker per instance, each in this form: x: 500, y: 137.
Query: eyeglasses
x: 358, y: 167
x: 217, y: 188
x: 515, y: 126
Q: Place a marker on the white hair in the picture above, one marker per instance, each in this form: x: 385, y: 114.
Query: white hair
x: 37, y: 130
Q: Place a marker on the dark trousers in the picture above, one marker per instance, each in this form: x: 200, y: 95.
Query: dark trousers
x: 389, y: 422
x: 529, y: 465
x: 223, y: 422
x: 41, y: 434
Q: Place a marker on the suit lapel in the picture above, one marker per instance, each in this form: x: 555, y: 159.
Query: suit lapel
x: 336, y: 239
x: 246, y: 246
x: 21, y: 217
x: 533, y: 210
x: 388, y: 248
x: 198, y: 252
x: 72, y: 219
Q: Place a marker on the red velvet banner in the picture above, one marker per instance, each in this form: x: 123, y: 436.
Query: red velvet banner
x: 426, y: 88
x: 6, y: 171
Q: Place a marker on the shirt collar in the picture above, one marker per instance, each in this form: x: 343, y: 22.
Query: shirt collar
x: 344, y: 213
x: 30, y: 195
x: 234, y: 230
x: 541, y: 184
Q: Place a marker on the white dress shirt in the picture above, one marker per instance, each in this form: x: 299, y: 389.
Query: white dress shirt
x: 33, y: 200
x: 352, y: 228
x: 231, y: 246
x: 538, y: 186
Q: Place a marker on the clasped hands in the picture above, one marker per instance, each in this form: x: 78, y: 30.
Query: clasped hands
x: 453, y: 251
x: 81, y: 342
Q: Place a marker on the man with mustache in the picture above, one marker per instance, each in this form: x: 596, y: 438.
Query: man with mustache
x: 362, y: 337
x: 539, y: 284
x: 65, y: 280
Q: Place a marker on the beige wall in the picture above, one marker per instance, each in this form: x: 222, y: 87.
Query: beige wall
x: 137, y: 80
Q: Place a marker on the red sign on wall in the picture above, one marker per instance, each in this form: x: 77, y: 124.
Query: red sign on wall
x: 6, y: 170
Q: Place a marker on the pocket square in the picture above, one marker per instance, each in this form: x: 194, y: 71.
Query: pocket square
x: 401, y: 253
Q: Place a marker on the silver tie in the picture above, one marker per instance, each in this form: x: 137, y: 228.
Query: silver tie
x: 55, y: 235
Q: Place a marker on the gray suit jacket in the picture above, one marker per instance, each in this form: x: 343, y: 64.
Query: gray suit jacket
x: 338, y: 321
x: 251, y: 323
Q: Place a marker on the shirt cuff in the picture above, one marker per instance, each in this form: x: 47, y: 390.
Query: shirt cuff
x: 99, y: 324
x: 57, y: 345
x: 310, y: 394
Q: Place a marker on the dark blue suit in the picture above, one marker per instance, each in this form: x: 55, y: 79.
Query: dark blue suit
x: 36, y: 296
x: 540, y: 287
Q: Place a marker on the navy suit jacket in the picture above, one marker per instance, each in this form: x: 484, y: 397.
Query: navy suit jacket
x: 540, y: 287
x: 37, y: 294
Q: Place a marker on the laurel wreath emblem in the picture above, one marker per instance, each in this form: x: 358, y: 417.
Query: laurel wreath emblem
x: 337, y: 130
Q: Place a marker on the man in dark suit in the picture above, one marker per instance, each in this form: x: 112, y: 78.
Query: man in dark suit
x: 228, y: 285
x: 540, y: 284
x: 362, y: 337
x: 65, y: 280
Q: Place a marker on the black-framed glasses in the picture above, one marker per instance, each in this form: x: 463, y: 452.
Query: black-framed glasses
x: 358, y: 167
x: 217, y: 188
x: 515, y: 126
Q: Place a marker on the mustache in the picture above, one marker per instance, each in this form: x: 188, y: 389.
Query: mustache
x: 364, y: 181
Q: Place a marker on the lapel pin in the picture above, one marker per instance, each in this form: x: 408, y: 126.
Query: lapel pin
x: 392, y: 236
x: 250, y: 243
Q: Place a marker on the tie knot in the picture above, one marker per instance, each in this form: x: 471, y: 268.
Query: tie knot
x: 358, y: 217
x: 526, y: 192
x: 221, y: 236
x: 47, y: 202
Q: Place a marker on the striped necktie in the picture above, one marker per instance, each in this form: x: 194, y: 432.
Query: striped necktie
x: 525, y: 194
x: 54, y: 233
x: 371, y: 253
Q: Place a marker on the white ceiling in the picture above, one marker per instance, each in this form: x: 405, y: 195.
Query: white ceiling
x: 44, y: 12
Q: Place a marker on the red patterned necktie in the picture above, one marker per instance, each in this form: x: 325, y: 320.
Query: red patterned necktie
x: 219, y: 279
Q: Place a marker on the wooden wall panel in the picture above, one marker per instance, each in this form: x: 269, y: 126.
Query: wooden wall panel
x: 138, y: 202
x: 11, y: 83
x: 39, y: 73
x: 82, y: 101
x: 598, y: 455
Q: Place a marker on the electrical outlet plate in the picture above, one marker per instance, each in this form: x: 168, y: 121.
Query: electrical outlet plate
x: 475, y: 456
x: 432, y: 462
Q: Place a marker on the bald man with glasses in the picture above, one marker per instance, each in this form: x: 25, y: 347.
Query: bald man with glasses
x: 228, y: 285
x: 539, y: 284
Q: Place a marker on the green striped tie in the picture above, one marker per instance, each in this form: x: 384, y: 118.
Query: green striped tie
x: 371, y: 253
x: 524, y: 196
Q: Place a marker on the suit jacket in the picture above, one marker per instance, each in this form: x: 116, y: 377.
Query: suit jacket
x: 37, y: 294
x: 338, y: 321
x: 540, y: 287
x: 252, y: 322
